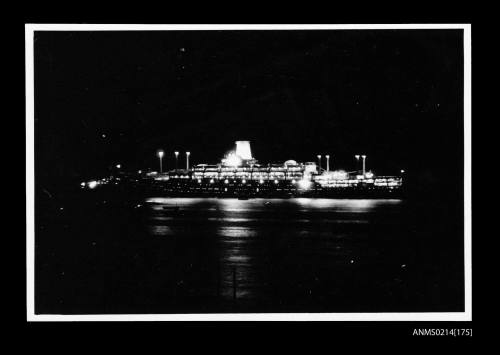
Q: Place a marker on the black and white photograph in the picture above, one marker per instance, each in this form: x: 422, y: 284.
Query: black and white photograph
x: 248, y: 172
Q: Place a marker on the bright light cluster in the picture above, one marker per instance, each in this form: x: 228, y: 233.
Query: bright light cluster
x: 305, y: 184
x: 232, y: 160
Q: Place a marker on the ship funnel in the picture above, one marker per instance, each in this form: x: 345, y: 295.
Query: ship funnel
x: 243, y: 150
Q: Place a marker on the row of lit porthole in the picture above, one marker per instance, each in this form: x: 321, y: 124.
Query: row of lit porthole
x: 226, y: 181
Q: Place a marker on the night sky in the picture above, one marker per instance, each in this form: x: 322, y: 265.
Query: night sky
x: 103, y: 98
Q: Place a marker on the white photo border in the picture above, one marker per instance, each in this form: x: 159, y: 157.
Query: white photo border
x: 30, y: 183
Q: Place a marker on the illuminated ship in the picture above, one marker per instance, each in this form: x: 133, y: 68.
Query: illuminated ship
x: 240, y: 174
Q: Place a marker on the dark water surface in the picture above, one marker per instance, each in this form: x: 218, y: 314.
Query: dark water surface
x: 191, y: 255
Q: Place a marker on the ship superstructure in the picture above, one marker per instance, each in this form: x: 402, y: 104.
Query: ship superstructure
x: 240, y: 173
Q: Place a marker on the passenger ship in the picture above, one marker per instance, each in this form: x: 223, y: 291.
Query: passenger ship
x: 240, y: 175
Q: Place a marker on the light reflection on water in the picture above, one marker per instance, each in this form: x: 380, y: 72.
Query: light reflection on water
x: 237, y: 232
x: 234, y: 205
x: 243, y: 234
x: 239, y: 278
x: 350, y: 205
